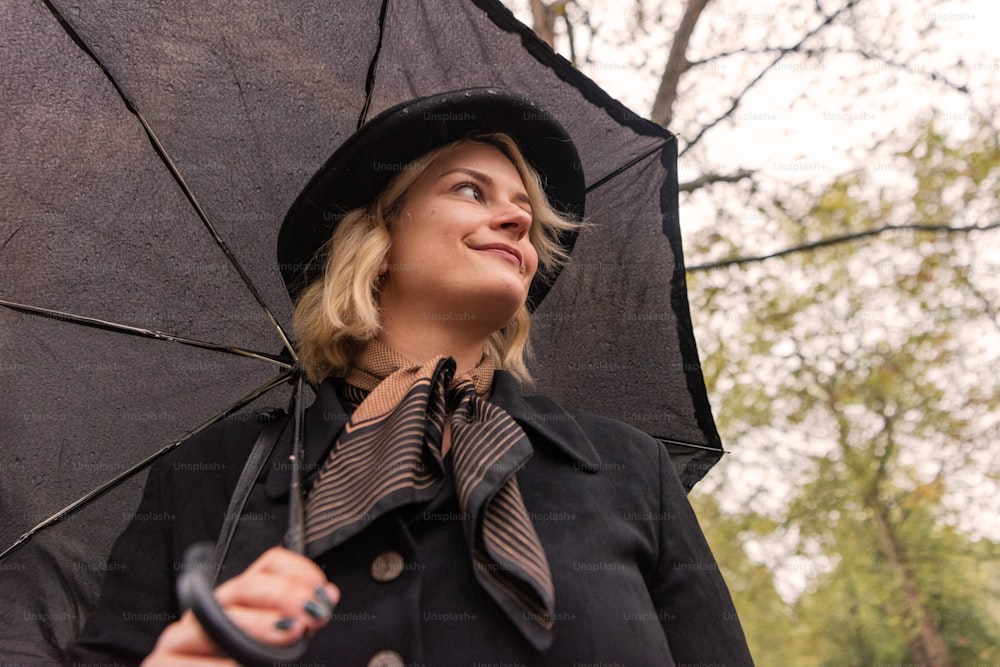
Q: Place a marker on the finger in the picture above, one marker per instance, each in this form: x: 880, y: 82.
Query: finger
x: 268, y: 626
x: 158, y: 660
x: 283, y: 580
x: 185, y: 642
x: 310, y: 604
x: 185, y: 637
x: 278, y: 560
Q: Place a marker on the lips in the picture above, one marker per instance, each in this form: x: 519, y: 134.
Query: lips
x: 510, y: 253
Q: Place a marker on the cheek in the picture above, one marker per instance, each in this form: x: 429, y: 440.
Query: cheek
x: 531, y: 260
x: 401, y: 236
x: 418, y: 227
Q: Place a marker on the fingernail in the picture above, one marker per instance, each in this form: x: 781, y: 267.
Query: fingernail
x: 323, y: 597
x: 285, y: 624
x: 317, y: 609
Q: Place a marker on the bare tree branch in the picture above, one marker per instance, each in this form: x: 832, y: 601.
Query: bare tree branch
x: 677, y: 64
x: 708, y: 179
x: 866, y: 55
x: 933, y: 76
x: 991, y: 312
x: 843, y: 238
x: 560, y: 9
x: 781, y: 54
x: 735, y: 52
x: 543, y: 18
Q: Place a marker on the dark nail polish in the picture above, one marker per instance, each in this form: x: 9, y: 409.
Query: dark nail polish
x: 323, y: 597
x: 285, y: 624
x: 317, y: 609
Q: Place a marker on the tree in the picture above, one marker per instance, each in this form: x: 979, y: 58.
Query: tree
x: 864, y: 352
x: 845, y: 299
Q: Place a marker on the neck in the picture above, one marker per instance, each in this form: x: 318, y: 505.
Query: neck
x: 421, y: 341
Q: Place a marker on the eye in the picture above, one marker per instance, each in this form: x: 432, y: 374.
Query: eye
x: 470, y: 190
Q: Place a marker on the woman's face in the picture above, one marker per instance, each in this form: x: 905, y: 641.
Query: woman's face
x: 460, y: 246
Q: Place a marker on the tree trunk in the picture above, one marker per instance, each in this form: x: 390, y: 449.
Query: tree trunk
x: 543, y: 21
x: 927, y: 645
x: 677, y: 64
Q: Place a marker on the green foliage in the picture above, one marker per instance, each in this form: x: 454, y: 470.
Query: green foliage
x: 849, y: 380
x: 752, y: 585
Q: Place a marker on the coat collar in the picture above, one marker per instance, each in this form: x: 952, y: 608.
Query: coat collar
x: 547, y: 419
x: 540, y: 417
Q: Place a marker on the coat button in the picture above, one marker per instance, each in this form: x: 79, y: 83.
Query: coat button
x: 386, y: 659
x: 387, y: 566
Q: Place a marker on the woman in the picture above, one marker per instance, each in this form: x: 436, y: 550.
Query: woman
x: 450, y: 519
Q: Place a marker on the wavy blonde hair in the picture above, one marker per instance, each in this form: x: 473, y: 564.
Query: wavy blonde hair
x: 339, y: 312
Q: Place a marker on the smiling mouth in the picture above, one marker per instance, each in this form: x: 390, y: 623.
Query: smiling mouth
x: 507, y: 252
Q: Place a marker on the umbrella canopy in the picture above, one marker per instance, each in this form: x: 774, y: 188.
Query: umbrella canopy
x: 140, y: 139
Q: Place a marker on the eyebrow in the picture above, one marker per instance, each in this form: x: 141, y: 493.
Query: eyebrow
x: 478, y: 175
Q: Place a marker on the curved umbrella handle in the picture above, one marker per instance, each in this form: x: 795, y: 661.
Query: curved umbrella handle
x: 194, y: 588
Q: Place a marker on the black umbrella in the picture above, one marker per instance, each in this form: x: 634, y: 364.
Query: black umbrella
x: 148, y: 153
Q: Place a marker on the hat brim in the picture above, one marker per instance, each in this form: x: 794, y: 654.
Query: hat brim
x: 364, y: 164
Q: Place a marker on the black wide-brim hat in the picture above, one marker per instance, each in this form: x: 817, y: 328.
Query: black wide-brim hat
x: 364, y: 164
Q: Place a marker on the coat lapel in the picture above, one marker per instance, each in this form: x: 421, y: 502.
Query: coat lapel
x: 545, y: 421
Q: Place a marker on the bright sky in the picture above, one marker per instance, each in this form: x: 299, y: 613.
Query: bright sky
x: 774, y: 131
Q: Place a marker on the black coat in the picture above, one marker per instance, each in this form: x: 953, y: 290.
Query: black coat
x: 635, y: 582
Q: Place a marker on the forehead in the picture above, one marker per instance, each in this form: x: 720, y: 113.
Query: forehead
x: 477, y: 156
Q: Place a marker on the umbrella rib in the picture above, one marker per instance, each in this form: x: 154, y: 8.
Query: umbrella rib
x: 96, y: 493
x: 142, y: 332
x: 682, y: 443
x: 628, y: 165
x: 175, y: 173
x: 372, y: 66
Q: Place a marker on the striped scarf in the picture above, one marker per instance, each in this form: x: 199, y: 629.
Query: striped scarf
x: 389, y: 455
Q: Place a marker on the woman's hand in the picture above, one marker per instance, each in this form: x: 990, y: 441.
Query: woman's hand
x: 277, y: 600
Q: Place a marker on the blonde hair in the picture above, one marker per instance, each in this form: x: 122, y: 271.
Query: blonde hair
x: 339, y: 312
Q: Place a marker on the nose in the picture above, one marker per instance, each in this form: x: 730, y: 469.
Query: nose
x: 513, y: 219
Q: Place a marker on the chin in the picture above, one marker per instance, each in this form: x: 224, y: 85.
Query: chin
x: 499, y: 304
